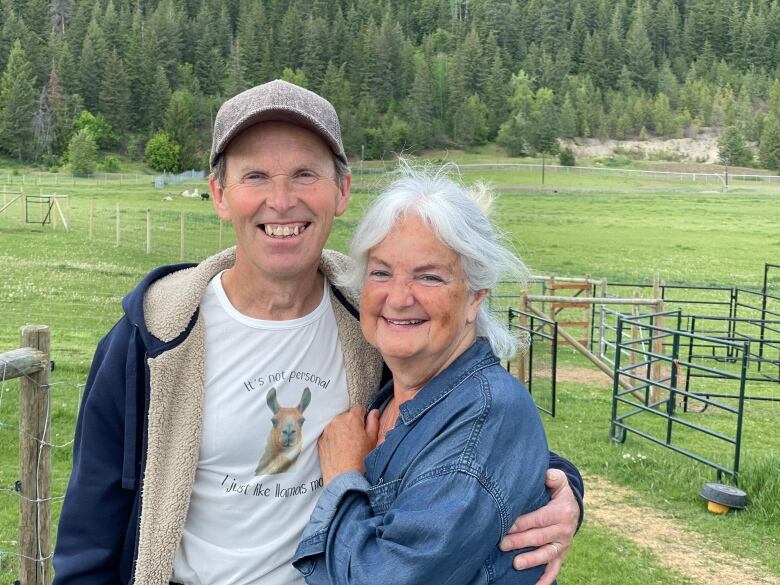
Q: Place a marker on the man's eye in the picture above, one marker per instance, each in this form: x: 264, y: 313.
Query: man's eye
x: 431, y: 279
x: 378, y: 274
x: 305, y: 177
x: 255, y: 178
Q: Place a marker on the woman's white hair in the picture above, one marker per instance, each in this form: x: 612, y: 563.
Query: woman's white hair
x: 459, y: 218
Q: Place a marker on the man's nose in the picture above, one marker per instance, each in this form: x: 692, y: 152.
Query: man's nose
x: 281, y: 196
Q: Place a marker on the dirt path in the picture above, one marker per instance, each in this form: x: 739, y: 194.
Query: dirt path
x: 689, y: 553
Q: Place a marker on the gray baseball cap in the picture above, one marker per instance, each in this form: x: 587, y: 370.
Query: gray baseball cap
x: 277, y: 100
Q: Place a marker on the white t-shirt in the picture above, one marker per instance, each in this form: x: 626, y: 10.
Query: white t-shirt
x: 271, y: 388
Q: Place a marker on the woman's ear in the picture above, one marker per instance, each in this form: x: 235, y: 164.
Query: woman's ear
x: 474, y: 304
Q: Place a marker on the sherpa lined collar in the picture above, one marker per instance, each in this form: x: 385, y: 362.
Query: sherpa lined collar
x: 171, y: 302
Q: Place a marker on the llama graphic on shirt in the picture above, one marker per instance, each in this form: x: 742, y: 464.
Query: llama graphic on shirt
x: 286, y: 436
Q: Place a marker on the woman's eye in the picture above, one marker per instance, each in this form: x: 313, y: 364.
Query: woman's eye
x: 378, y: 274
x: 431, y: 279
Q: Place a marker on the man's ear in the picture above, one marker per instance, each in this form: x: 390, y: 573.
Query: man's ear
x: 218, y: 199
x: 343, y: 197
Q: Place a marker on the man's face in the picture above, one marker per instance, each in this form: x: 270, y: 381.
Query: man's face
x: 281, y: 193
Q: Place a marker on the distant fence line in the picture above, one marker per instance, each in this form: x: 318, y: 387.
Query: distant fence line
x: 186, y: 235
x: 54, y: 179
x: 168, y: 179
x: 159, y: 181
x: 679, y: 175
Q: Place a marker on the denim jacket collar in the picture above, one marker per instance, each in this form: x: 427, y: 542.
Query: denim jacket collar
x: 478, y: 356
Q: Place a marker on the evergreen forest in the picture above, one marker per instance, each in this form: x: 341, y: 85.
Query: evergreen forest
x: 143, y: 79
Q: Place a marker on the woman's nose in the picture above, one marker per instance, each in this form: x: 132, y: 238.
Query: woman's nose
x: 400, y: 293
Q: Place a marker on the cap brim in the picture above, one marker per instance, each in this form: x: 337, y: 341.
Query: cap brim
x: 277, y: 115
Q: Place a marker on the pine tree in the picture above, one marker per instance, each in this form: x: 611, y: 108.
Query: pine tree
x: 115, y: 95
x: 159, y: 96
x: 732, y: 150
x: 82, y: 153
x: 543, y: 129
x: 112, y: 29
x: 250, y: 30
x: 60, y: 12
x: 43, y: 131
x: 267, y: 70
x: 512, y: 136
x: 91, y: 65
x: 167, y: 37
x: 288, y: 41
x: 568, y: 118
x: 554, y: 23
x: 473, y: 68
x: 470, y: 123
x: 666, y: 39
x: 577, y: 35
x: 315, y: 57
x: 235, y: 78
x: 388, y: 64
x: 179, y: 117
x: 78, y: 24
x: 13, y: 29
x: 496, y: 95
x: 421, y: 103
x: 639, y: 51
x: 769, y: 147
x: 17, y: 105
x: 61, y: 119
x: 139, y: 70
x: 34, y: 41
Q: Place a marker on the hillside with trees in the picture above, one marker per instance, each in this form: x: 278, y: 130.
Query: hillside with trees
x: 144, y: 78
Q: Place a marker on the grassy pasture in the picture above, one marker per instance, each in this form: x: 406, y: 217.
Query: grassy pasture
x: 616, y: 227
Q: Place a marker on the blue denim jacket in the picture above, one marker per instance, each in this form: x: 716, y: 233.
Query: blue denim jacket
x: 466, y: 457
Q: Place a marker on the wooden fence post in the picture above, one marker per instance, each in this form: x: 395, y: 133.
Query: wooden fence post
x: 148, y: 231
x: 117, y: 225
x: 91, y: 217
x: 35, y: 464
x: 552, y: 293
x: 634, y: 331
x: 22, y: 208
x: 181, y: 236
x: 52, y: 211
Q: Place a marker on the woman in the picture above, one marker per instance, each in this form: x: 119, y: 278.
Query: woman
x: 418, y: 493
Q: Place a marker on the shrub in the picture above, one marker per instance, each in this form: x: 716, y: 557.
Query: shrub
x: 82, y: 153
x: 102, y: 132
x: 566, y: 157
x: 111, y: 164
x: 162, y: 153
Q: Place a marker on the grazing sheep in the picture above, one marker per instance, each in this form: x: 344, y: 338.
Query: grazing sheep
x: 286, y: 436
x: 204, y: 196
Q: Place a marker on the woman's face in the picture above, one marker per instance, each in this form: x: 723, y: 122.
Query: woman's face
x: 416, y: 304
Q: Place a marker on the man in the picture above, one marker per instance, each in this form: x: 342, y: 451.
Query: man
x: 195, y: 457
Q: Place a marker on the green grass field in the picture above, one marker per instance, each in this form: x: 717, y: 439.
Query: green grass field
x: 621, y: 228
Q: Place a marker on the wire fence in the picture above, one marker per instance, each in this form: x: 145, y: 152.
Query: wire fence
x: 37, y: 422
x: 105, y: 252
x: 47, y: 179
x: 722, y: 178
